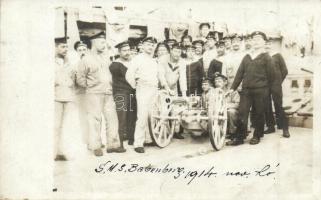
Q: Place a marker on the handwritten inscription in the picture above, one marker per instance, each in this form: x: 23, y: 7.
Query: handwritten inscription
x: 183, y: 173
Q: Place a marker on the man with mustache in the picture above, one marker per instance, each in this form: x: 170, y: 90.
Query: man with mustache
x: 81, y: 47
x: 64, y: 94
x: 194, y: 72
x: 255, y: 73
x: 280, y: 72
x: 210, y: 53
x: 234, y: 58
x: 94, y: 75
x: 216, y: 66
x: 144, y: 74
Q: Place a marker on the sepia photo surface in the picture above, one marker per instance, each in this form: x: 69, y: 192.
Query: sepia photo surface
x: 160, y: 99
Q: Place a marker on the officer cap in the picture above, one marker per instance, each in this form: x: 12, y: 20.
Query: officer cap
x: 59, y: 40
x: 259, y: 33
x: 80, y: 43
x: 219, y: 75
x: 198, y: 42
x: 220, y: 43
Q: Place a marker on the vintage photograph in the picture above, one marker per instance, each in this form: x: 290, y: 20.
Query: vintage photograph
x: 184, y: 99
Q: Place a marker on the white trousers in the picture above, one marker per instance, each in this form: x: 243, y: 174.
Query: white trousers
x: 96, y: 106
x: 62, y: 112
x: 145, y: 96
x: 82, y: 113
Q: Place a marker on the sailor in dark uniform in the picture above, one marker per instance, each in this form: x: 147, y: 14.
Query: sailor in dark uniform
x: 217, y: 63
x: 279, y: 73
x: 199, y: 49
x: 186, y: 41
x: 194, y: 73
x: 124, y: 94
x: 255, y: 73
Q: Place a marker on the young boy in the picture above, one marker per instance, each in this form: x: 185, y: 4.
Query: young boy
x: 233, y: 101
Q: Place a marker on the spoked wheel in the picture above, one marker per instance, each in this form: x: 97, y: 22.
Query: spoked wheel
x: 217, y: 121
x: 160, y: 122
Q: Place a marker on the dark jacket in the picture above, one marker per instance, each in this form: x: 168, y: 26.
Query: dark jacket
x: 194, y: 75
x: 254, y: 73
x: 215, y: 66
x: 279, y: 69
x: 118, y: 72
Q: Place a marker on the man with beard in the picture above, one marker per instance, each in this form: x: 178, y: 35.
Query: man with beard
x: 279, y: 73
x: 81, y: 48
x: 64, y: 94
x: 216, y: 66
x: 144, y: 74
x: 124, y: 94
x: 94, y: 75
x: 255, y: 73
x: 194, y: 73
x: 210, y: 53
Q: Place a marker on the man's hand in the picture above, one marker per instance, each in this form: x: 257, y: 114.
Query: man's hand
x: 229, y: 92
x: 171, y: 92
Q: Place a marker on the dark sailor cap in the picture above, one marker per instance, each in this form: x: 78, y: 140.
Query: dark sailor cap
x: 59, y: 40
x: 122, y: 44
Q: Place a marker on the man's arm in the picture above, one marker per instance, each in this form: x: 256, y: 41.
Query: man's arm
x: 268, y: 69
x: 81, y: 75
x: 161, y: 77
x: 132, y: 73
x: 182, y: 78
x: 283, y: 68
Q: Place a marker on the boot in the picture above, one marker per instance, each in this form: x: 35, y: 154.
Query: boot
x: 98, y: 152
x: 178, y: 136
x: 130, y: 142
x: 235, y: 142
x: 270, y: 130
x: 255, y: 140
x: 286, y: 133
x: 140, y: 149
x: 61, y: 158
x: 116, y: 150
